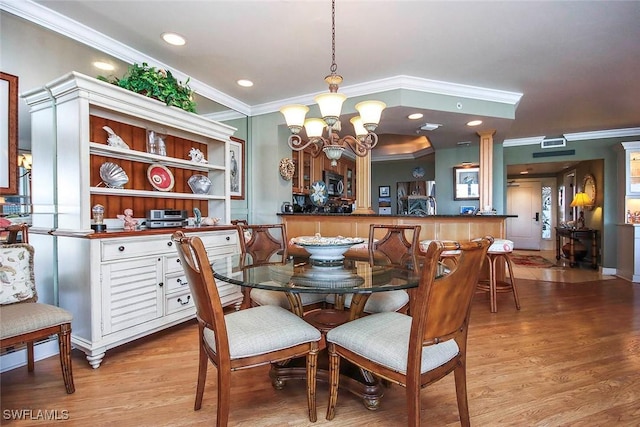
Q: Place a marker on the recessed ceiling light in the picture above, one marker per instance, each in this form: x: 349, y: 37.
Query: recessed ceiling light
x: 103, y: 66
x: 474, y: 123
x: 245, y: 83
x: 524, y: 172
x: 174, y: 39
x: 415, y: 116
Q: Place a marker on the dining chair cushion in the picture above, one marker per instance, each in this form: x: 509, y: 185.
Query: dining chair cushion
x: 277, y: 298
x: 501, y: 246
x: 390, y: 333
x: 19, y: 319
x: 263, y: 329
x: 16, y: 273
x: 378, y: 302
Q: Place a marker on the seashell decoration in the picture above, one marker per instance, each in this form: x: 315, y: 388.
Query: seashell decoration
x: 199, y: 184
x: 287, y: 168
x: 197, y: 155
x: 113, y: 176
x: 114, y: 140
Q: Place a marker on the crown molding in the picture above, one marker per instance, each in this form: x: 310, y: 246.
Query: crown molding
x: 602, y: 134
x: 401, y: 82
x: 403, y: 156
x: 61, y: 24
x: 515, y: 142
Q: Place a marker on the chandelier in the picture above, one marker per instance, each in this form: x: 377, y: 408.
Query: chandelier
x: 330, y: 107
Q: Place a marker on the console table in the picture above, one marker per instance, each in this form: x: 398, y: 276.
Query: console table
x: 575, y: 234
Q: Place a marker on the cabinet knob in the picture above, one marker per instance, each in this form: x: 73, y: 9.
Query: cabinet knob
x: 228, y: 238
x: 178, y: 261
x: 161, y: 284
x: 169, y: 243
x: 121, y: 248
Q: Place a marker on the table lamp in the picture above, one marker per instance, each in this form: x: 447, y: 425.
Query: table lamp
x: 581, y: 200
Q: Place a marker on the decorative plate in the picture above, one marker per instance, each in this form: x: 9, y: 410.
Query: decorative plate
x: 418, y: 172
x: 160, y: 177
x: 287, y: 168
x: 319, y: 194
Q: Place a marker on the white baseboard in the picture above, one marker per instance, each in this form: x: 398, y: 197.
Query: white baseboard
x: 18, y: 358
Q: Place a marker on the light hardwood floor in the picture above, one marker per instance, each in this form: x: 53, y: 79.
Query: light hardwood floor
x: 570, y: 357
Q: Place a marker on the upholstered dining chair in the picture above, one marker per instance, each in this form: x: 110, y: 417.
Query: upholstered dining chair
x: 398, y: 246
x: 263, y: 244
x: 415, y: 351
x: 24, y: 320
x: 241, y: 339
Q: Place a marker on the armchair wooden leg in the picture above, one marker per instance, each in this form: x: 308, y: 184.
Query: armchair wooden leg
x: 312, y: 369
x: 460, y: 374
x: 30, y: 356
x: 224, y: 395
x: 203, y: 361
x: 334, y: 380
x: 64, y: 345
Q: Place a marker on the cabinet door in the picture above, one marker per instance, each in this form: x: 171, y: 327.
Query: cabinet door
x: 131, y: 293
x: 634, y: 172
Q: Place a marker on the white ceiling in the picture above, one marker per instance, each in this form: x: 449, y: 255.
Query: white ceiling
x: 574, y: 62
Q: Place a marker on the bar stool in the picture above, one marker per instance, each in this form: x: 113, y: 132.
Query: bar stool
x: 446, y: 256
x: 501, y: 249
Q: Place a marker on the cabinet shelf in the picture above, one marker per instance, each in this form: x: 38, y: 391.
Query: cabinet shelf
x: 155, y: 194
x: 139, y: 156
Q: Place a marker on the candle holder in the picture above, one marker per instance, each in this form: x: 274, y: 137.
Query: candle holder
x: 98, y: 219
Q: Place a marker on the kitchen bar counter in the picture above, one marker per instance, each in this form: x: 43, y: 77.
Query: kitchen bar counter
x: 434, y: 227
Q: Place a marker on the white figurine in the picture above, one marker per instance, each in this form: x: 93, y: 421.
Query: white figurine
x: 197, y: 155
x: 113, y: 139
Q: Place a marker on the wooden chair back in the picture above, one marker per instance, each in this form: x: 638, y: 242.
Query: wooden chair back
x: 400, y: 250
x: 15, y: 230
x: 262, y: 242
x: 442, y: 304
x: 209, y: 311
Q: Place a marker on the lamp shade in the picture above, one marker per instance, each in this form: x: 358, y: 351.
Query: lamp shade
x: 330, y: 106
x: 314, y: 127
x: 370, y: 112
x: 581, y: 200
x: 294, y: 116
x: 358, y: 127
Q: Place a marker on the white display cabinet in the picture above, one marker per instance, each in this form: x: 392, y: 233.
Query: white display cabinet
x: 119, y: 285
x: 628, y: 228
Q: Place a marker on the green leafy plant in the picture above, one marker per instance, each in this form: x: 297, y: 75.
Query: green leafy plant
x: 156, y: 83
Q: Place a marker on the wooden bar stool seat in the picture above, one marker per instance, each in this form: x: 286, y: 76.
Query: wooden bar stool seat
x: 501, y: 249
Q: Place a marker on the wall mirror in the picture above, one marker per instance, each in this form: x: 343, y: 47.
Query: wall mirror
x: 8, y: 134
x: 466, y: 182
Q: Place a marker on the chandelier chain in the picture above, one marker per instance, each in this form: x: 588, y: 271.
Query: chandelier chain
x: 334, y: 67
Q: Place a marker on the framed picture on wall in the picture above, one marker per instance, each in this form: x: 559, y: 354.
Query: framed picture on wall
x: 384, y: 191
x: 8, y: 134
x: 466, y: 183
x: 236, y: 168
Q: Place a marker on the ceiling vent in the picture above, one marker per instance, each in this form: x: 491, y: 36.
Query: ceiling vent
x: 553, y: 142
x: 430, y: 126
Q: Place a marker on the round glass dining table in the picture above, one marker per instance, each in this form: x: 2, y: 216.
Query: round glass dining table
x: 298, y: 275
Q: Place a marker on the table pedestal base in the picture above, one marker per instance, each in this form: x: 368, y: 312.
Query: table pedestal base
x: 352, y: 378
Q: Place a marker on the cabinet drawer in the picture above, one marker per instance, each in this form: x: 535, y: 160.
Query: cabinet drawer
x: 176, y: 284
x: 222, y: 238
x: 173, y: 264
x: 179, y: 302
x: 129, y: 248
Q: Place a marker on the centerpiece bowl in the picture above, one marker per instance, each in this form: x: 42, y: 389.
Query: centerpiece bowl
x: 326, y: 249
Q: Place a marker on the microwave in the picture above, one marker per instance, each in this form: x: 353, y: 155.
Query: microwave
x: 334, y: 183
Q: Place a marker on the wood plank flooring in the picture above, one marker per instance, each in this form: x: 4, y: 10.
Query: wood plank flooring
x: 570, y: 357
